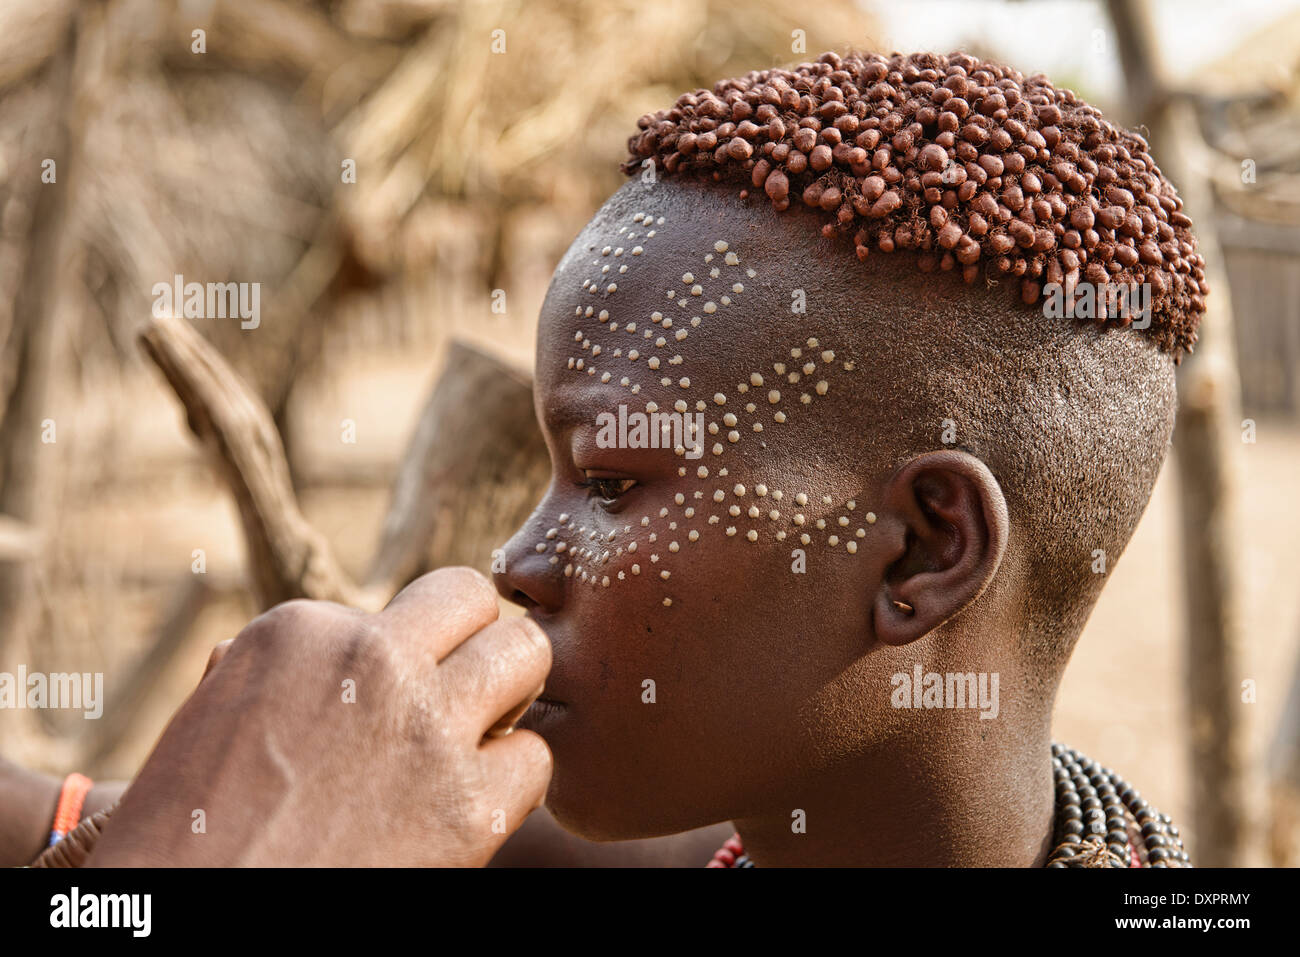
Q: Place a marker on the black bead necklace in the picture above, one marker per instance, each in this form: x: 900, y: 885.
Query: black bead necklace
x: 1097, y: 812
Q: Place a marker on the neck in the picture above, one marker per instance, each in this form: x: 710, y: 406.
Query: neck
x: 984, y: 798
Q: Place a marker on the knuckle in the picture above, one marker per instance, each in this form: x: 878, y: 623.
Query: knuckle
x: 218, y: 652
x: 469, y: 584
x: 527, y: 637
x: 363, y: 644
x: 278, y: 620
x: 299, y: 619
x: 534, y: 751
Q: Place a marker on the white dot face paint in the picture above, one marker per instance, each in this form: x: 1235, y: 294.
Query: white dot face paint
x: 713, y: 279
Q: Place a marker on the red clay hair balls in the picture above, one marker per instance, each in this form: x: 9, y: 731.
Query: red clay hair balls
x: 963, y: 161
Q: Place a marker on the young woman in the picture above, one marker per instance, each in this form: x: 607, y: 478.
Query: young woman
x: 902, y: 482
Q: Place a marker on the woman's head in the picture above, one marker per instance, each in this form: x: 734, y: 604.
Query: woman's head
x: 895, y: 468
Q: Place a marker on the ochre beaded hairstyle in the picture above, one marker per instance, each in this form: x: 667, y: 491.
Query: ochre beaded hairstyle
x: 964, y: 161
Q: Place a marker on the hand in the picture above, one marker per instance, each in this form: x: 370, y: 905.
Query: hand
x: 325, y: 736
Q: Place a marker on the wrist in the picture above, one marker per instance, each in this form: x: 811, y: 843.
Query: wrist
x: 27, y: 803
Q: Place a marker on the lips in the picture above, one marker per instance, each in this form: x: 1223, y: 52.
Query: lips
x: 542, y: 713
x: 547, y: 706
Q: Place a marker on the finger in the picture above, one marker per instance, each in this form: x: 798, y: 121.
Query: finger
x: 218, y: 653
x: 442, y: 609
x: 496, y: 671
x: 519, y: 766
x: 506, y: 723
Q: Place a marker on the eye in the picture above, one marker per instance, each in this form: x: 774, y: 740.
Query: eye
x: 608, y: 489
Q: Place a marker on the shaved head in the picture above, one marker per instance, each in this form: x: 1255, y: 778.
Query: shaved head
x: 765, y: 569
x: 1074, y: 419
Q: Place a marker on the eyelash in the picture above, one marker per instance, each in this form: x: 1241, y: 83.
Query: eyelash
x: 609, y: 489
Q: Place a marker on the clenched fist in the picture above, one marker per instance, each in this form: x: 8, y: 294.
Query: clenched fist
x: 322, y: 735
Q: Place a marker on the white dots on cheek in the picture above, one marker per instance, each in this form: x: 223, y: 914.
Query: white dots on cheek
x: 748, y: 425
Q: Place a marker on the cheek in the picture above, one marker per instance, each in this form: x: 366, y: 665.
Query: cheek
x: 717, y: 627
x: 705, y: 538
x: 712, y: 589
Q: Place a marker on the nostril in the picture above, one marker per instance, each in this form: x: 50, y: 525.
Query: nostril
x: 528, y: 581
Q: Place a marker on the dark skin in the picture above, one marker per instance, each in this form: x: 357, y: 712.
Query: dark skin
x: 772, y: 687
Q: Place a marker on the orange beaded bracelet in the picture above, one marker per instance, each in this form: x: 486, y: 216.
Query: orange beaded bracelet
x: 72, y: 798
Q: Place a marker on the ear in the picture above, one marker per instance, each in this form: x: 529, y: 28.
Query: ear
x: 944, y: 532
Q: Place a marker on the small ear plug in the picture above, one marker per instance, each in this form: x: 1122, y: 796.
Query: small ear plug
x: 904, y: 607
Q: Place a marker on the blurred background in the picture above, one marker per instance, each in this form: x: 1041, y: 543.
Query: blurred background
x: 401, y: 176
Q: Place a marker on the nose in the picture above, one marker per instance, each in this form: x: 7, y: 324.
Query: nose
x: 524, y: 573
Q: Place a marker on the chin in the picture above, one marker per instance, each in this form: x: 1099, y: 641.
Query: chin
x: 604, y: 811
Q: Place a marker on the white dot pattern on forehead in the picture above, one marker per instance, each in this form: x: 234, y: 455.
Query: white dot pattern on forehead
x: 597, y: 324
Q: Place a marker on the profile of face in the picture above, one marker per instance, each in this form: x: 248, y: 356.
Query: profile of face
x: 718, y: 557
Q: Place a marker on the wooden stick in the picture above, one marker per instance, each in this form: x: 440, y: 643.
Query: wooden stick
x: 1207, y: 454
x: 287, y: 557
x: 1284, y: 781
x: 26, y: 464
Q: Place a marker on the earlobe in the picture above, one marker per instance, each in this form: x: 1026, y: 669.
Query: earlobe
x: 945, y: 531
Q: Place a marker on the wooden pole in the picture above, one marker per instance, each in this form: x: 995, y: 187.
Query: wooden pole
x: 1207, y: 451
x: 1284, y: 782
x: 25, y: 460
x: 287, y: 557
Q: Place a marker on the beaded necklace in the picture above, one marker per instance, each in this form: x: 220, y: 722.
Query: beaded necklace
x: 1101, y: 821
